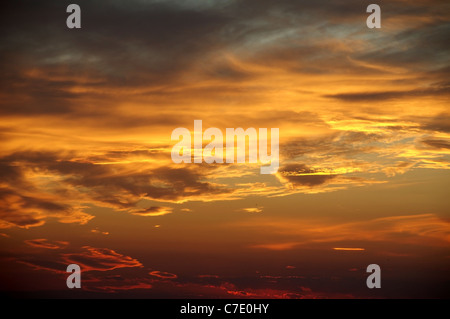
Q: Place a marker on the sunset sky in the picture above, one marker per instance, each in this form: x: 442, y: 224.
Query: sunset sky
x: 86, y: 117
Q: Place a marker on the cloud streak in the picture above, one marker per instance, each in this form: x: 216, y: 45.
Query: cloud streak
x: 423, y: 230
x: 45, y: 243
x: 100, y: 259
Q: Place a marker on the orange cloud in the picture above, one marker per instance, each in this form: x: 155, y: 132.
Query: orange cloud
x: 290, y: 267
x: 100, y: 259
x: 154, y: 211
x: 163, y: 274
x: 253, y: 209
x: 37, y: 265
x: 424, y: 229
x: 44, y: 243
x: 96, y: 231
x: 230, y: 290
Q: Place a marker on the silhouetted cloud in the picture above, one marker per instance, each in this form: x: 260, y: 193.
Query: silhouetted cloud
x: 300, y: 174
x: 105, y: 185
x: 388, y: 95
x: 28, y: 211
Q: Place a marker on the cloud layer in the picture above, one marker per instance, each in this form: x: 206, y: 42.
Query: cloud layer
x: 86, y: 118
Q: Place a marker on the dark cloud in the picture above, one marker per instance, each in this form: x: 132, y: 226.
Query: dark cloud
x: 439, y: 123
x: 108, y: 182
x: 26, y: 211
x: 105, y: 180
x: 388, y: 95
x: 89, y: 258
x: 132, y: 45
x: 300, y: 174
x: 14, y: 211
x: 11, y: 173
x: 440, y: 144
x: 120, y: 186
x: 153, y: 46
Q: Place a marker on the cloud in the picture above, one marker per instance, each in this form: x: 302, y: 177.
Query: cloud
x: 115, y: 284
x: 97, y: 231
x: 154, y: 211
x: 290, y: 267
x: 253, y: 210
x: 94, y: 101
x: 436, y: 143
x: 400, y: 168
x: 388, y: 95
x: 67, y: 182
x: 30, y: 211
x: 40, y: 264
x: 117, y: 186
x: 45, y: 243
x: 420, y: 230
x: 113, y: 289
x: 100, y: 259
x: 300, y: 174
x: 274, y: 293
x: 163, y: 46
x: 54, y: 71
x: 231, y: 288
x: 163, y: 274
x: 439, y: 123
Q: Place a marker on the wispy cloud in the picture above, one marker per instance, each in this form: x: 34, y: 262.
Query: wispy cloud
x: 162, y: 274
x: 100, y: 259
x: 154, y: 211
x: 424, y: 230
x: 45, y: 243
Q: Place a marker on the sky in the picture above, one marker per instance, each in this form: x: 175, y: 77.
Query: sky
x: 86, y: 117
